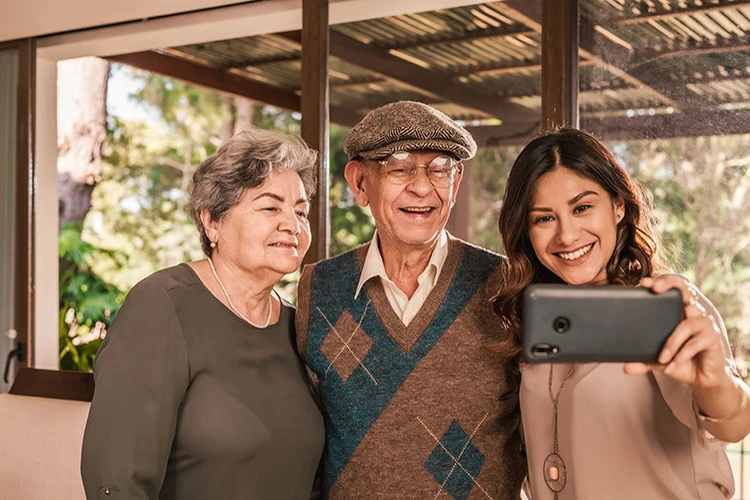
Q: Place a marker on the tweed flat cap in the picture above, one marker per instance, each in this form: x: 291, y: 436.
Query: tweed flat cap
x: 407, y: 126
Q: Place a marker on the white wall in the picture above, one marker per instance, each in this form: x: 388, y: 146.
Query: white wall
x: 26, y: 18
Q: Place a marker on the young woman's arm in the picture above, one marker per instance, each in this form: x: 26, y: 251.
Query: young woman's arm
x: 697, y: 353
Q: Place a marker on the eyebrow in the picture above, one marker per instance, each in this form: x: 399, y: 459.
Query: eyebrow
x: 279, y: 198
x: 572, y: 201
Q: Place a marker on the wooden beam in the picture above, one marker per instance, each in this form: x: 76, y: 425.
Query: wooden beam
x: 719, y: 47
x: 560, y: 63
x: 388, y: 65
x: 223, y: 81
x: 694, y: 123
x: 493, y: 136
x: 315, y: 123
x: 344, y: 116
x: 477, y: 34
x: 209, y: 77
x: 503, y: 68
x: 354, y: 83
x: 654, y: 77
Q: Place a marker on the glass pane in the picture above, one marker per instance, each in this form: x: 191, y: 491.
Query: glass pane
x: 508, y: 67
x: 8, y: 84
x: 667, y: 85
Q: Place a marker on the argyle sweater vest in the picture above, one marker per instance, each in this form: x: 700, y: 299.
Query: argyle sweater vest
x: 418, y: 411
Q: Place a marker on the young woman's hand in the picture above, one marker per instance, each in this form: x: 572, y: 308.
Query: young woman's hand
x: 696, y: 354
x: 693, y: 353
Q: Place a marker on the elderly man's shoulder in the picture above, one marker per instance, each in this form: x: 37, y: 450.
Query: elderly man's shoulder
x: 336, y: 264
x: 483, y: 258
x: 481, y: 254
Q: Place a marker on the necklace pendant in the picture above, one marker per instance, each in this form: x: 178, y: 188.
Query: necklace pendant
x: 554, y: 472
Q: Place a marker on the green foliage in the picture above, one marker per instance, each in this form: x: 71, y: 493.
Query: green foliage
x: 487, y: 174
x: 87, y: 302
x: 351, y: 225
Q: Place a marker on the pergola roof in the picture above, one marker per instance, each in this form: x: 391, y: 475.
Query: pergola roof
x: 679, y: 67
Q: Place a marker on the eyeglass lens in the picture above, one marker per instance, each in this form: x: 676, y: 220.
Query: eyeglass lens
x: 402, y: 167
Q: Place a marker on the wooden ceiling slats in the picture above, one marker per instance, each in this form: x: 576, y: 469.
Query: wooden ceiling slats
x: 483, y: 61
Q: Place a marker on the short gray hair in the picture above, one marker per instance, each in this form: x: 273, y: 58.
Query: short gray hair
x: 245, y: 161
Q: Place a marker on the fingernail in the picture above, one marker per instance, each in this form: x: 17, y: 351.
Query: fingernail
x: 665, y: 356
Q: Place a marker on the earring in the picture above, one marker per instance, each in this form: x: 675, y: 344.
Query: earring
x: 213, y: 244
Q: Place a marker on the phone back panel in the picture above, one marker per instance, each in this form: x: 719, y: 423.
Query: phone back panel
x: 608, y: 323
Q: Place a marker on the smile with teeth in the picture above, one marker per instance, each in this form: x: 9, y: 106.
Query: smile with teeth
x: 574, y: 255
x: 284, y: 245
x: 417, y: 210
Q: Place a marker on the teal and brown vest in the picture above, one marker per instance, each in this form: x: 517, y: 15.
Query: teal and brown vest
x: 415, y: 411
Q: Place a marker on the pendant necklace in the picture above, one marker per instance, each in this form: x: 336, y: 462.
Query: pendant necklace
x: 231, y: 305
x: 555, y: 473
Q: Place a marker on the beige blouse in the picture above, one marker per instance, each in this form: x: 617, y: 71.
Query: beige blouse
x: 621, y: 436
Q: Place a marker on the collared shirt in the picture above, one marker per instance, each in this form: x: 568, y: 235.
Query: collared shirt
x: 404, y: 307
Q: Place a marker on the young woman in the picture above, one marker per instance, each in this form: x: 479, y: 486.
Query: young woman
x: 571, y: 214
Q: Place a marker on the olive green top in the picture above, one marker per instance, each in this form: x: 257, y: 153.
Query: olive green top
x: 192, y: 402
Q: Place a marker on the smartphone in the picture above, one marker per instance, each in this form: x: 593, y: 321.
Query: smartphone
x: 607, y: 323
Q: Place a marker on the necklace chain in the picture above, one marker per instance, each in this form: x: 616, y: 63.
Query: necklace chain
x: 231, y: 304
x: 556, y: 400
x: 555, y: 471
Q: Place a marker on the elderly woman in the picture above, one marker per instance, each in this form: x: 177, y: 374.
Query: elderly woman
x: 199, y: 392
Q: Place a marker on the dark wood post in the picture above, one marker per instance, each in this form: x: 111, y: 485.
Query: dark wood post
x: 559, y: 63
x: 315, y: 115
x: 24, y: 286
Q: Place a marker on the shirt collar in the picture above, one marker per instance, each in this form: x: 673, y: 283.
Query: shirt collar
x: 373, y: 265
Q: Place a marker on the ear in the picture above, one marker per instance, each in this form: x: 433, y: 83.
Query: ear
x: 619, y: 208
x: 209, y: 225
x: 354, y: 172
x: 454, y: 187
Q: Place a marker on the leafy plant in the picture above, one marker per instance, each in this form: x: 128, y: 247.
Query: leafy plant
x: 87, y: 302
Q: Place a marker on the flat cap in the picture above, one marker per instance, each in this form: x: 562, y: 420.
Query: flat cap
x: 407, y: 126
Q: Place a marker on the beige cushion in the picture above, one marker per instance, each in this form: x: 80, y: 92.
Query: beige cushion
x: 41, y: 447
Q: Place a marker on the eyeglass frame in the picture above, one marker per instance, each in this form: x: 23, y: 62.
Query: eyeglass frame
x: 456, y: 169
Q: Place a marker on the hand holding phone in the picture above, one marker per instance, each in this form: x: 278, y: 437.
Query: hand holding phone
x: 607, y: 323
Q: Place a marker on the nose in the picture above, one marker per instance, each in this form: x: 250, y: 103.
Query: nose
x: 290, y: 222
x: 420, y: 183
x: 568, y: 231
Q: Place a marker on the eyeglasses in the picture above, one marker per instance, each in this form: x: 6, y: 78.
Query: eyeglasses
x: 401, y: 168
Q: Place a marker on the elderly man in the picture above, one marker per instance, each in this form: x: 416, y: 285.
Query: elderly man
x: 398, y: 331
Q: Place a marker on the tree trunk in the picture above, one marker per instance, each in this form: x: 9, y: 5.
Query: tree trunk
x: 227, y: 127
x: 244, y: 112
x: 81, y: 131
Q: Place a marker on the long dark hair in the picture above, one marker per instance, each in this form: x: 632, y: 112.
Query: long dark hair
x: 635, y: 255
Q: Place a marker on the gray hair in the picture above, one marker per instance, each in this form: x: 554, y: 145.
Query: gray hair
x: 245, y: 161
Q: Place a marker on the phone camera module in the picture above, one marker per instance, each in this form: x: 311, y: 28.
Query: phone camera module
x: 561, y: 324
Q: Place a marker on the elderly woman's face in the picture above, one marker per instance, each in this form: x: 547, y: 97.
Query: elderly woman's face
x: 268, y: 229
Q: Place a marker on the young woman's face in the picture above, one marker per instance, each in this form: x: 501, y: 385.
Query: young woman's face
x: 573, y: 226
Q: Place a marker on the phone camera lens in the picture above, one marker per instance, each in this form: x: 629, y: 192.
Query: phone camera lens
x: 561, y: 324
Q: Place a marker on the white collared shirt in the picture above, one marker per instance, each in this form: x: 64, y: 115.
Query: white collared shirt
x: 404, y: 307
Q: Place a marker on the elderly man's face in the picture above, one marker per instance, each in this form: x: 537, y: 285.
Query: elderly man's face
x: 407, y: 216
